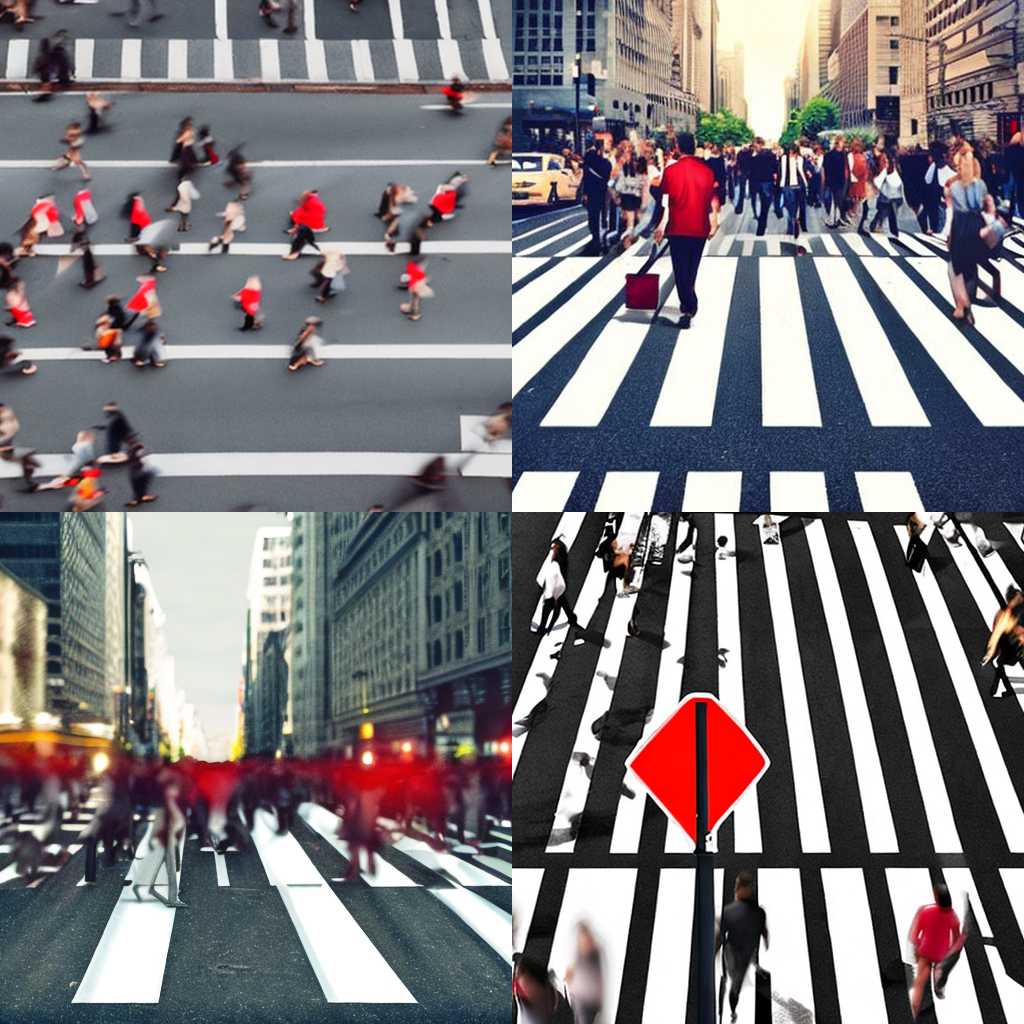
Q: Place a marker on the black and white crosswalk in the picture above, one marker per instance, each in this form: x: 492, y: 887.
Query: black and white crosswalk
x: 817, y: 382
x: 278, y: 919
x: 891, y: 766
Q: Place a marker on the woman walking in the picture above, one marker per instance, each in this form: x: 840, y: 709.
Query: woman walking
x: 72, y: 156
x: 208, y: 145
x: 970, y: 200
x: 332, y: 267
x: 92, y: 272
x: 109, y: 339
x: 552, y: 581
x: 857, y: 193
x: 97, y: 105
x: 1006, y: 641
x: 238, y: 173
x: 137, y: 214
x: 182, y: 153
x: 934, y: 935
x: 889, y: 184
x: 17, y: 305
x: 389, y: 213
x: 629, y: 188
x: 248, y: 298
x: 140, y: 475
x: 306, y: 349
x: 168, y: 829
x: 233, y: 215
x: 151, y: 350
x: 308, y: 219
x: 187, y: 193
x: 418, y: 286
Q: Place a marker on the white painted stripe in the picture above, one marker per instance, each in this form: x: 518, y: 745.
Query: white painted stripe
x: 447, y: 865
x: 309, y: 18
x: 131, y: 59
x: 810, y: 804
x: 574, y: 215
x: 361, y: 60
x: 856, y: 243
x: 316, y: 58
x: 858, y: 980
x: 915, y: 246
x: 542, y: 492
x: 773, y: 244
x: 883, y: 492
x: 520, y: 268
x: 987, y: 395
x: 19, y: 165
x: 487, y: 19
x: 886, y: 245
x: 502, y: 867
x: 221, y: 864
x: 930, y: 782
x: 220, y: 18
x: 884, y: 388
x: 910, y: 888
x: 270, y: 63
x: 223, y: 60
x: 405, y: 58
x: 608, y: 916
x: 324, y: 925
x: 979, y: 727
x: 453, y: 248
x: 84, y: 51
x: 395, y: 11
x: 748, y: 247
x: 490, y: 922
x: 798, y: 490
x: 451, y: 58
x: 690, y: 388
x: 878, y: 821
x: 668, y: 974
x: 17, y: 58
x: 494, y: 59
x: 303, y: 463
x: 245, y: 352
x: 574, y: 248
x: 746, y: 815
x: 444, y: 28
x: 573, y: 229
x: 787, y: 956
x: 177, y: 61
x: 705, y: 491
x: 325, y: 823
x: 789, y: 397
x: 627, y: 492
x: 547, y: 339
x: 526, y: 884
x: 829, y: 245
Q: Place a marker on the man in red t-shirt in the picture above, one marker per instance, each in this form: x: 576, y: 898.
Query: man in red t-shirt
x: 688, y: 192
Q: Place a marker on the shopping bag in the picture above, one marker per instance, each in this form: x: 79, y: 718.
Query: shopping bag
x: 762, y: 996
x: 643, y: 288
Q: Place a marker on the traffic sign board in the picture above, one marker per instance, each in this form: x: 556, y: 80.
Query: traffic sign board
x: 666, y: 763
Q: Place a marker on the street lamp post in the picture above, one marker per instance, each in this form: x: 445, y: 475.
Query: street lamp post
x: 579, y: 71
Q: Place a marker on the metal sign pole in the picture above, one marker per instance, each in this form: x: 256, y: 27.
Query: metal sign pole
x: 705, y: 895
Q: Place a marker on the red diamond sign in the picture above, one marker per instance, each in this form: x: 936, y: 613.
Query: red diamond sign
x: 666, y: 763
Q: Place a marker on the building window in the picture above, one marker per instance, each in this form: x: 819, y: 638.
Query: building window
x: 448, y: 647
x: 894, y: 75
x: 504, y: 628
x: 504, y: 518
x: 457, y: 592
x: 437, y: 653
x: 437, y: 608
x: 458, y: 644
x: 457, y: 547
x: 504, y: 578
x: 481, y: 635
x: 438, y: 520
x: 483, y: 584
x: 438, y: 564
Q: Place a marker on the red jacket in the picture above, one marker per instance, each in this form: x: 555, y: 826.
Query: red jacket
x: 415, y: 273
x: 444, y: 201
x: 139, y: 216
x: 311, y: 213
x: 250, y: 300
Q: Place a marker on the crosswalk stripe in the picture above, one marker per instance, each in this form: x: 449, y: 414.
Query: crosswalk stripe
x: 885, y: 491
x: 878, y: 821
x: 223, y: 60
x: 533, y: 297
x: 930, y: 780
x: 979, y: 726
x: 542, y: 491
x: 316, y: 60
x: 220, y: 18
x: 491, y: 923
x: 550, y: 240
x: 395, y: 12
x: 405, y: 59
x: 270, y: 61
x: 177, y: 59
x: 712, y: 489
x: 853, y: 945
x: 810, y: 803
x: 857, y: 244
x: 84, y: 52
x: 17, y: 58
x: 362, y: 61
x: 915, y: 246
x: 131, y: 59
x: 627, y: 492
x: 789, y: 397
x: 525, y: 267
x: 446, y: 864
x: 526, y: 884
x: 746, y: 815
x: 518, y: 236
x: 885, y: 244
x: 884, y: 388
x: 690, y: 387
x: 280, y: 352
x: 798, y: 490
x: 990, y: 399
x: 451, y: 58
x: 828, y: 243
x: 668, y: 984
x: 443, y: 22
x: 779, y: 893
x: 494, y: 59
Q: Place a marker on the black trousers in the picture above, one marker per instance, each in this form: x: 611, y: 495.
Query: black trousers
x: 551, y: 607
x: 595, y: 211
x: 303, y: 237
x: 686, y: 254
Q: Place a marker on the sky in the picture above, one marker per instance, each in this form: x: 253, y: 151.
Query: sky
x: 199, y: 563
x: 771, y: 34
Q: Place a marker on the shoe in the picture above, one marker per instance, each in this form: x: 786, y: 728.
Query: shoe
x: 135, y: 889
x: 683, y: 323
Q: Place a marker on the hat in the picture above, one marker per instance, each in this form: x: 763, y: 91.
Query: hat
x: 313, y: 320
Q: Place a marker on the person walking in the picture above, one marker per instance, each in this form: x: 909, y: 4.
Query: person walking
x: 1013, y: 165
x: 73, y: 140
x: 92, y: 272
x: 182, y: 152
x: 85, y: 212
x: 208, y: 145
x: 238, y: 173
x: 42, y: 66
x: 43, y: 220
x: 390, y: 214
x: 16, y: 300
x: 742, y: 926
x: 836, y: 174
x: 233, y: 216
x: 306, y: 348
x: 742, y: 179
x: 1006, y: 641
x: 858, y: 190
x: 145, y: 301
x: 537, y: 999
x: 872, y: 158
x: 109, y: 339
x: 140, y: 475
x: 889, y: 185
x: 763, y: 178
x: 168, y: 829
x: 596, y: 172
x: 9, y: 427
x: 97, y: 106
x: 333, y: 267
x: 970, y: 201
x: 502, y: 144
x: 933, y: 201
x: 629, y: 193
x: 60, y: 60
x: 584, y: 977
x: 187, y: 194
x: 151, y: 350
x: 137, y: 214
x: 688, y: 194
x: 266, y: 10
x: 934, y: 934
x: 793, y: 179
x: 552, y: 581
x: 119, y: 434
x: 418, y: 285
x: 248, y: 298
x: 309, y: 218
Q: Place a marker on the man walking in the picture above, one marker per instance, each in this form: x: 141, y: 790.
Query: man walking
x: 596, y: 172
x: 837, y: 179
x: 763, y: 177
x: 688, y: 193
x: 739, y: 934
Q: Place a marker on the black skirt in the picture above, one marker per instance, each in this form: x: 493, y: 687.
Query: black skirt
x: 966, y: 248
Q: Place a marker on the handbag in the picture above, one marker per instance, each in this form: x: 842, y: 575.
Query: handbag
x: 762, y: 996
x: 643, y: 288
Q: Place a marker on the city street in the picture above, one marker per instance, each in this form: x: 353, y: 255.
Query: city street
x: 227, y: 424
x: 225, y: 40
x: 830, y: 379
x: 891, y: 766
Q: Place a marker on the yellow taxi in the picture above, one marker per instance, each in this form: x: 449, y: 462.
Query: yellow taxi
x: 541, y: 178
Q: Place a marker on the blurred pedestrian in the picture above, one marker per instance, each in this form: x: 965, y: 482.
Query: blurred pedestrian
x: 552, y: 579
x: 238, y: 173
x: 738, y: 935
x: 585, y: 977
x: 9, y: 427
x: 60, y: 60
x: 182, y: 152
x: 85, y: 212
x: 332, y: 268
x: 248, y: 298
x: 73, y: 140
x: 151, y: 350
x: 208, y: 145
x: 267, y: 10
x: 309, y: 218
x: 537, y: 999
x: 97, y: 105
x: 109, y: 339
x: 137, y: 214
x: 168, y: 829
x: 418, y: 286
x: 120, y: 434
x: 182, y: 206
x: 934, y: 934
x: 141, y: 476
x: 306, y: 348
x: 1006, y: 641
x: 16, y: 300
x: 145, y: 301
x: 92, y: 272
x: 233, y: 215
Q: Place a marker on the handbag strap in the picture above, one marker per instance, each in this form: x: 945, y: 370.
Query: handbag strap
x: 656, y: 253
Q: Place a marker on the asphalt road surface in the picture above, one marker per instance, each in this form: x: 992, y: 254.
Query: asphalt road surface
x: 891, y: 766
x: 829, y: 376
x: 270, y: 934
x: 228, y: 425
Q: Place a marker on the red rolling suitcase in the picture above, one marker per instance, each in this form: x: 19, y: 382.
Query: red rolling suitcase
x: 643, y: 289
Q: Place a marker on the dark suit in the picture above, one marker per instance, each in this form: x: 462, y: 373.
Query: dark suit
x: 596, y: 172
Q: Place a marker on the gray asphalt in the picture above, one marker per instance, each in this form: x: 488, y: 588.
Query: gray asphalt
x: 221, y: 405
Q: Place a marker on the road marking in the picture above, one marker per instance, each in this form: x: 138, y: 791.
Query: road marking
x: 526, y: 884
x: 471, y: 106
x: 395, y: 10
x: 84, y: 50
x: 444, y: 27
x: 573, y: 229
x: 857, y: 244
x: 712, y: 490
x: 177, y: 60
x: 309, y: 18
x: 885, y: 244
x: 779, y: 893
x: 17, y: 58
x: 361, y: 60
x: 270, y: 60
x: 449, y: 248
x: 305, y: 463
x: 223, y: 61
x: 281, y: 352
x: 632, y: 492
x: 829, y: 245
x: 690, y: 386
x: 884, y: 388
x: 131, y: 59
x: 325, y: 925
x: 537, y: 492
x: 858, y: 981
x: 574, y: 215
x: 316, y: 58
x: 798, y: 490
x: 886, y: 491
x: 451, y: 59
x: 446, y: 864
x: 915, y: 246
x: 220, y: 864
x: 494, y: 60
x: 405, y: 58
x: 220, y: 18
x: 487, y: 19
x: 789, y: 396
x: 28, y: 165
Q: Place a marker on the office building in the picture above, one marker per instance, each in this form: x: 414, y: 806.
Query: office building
x: 23, y: 616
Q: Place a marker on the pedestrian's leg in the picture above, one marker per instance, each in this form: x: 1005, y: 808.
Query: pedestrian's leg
x: 563, y: 604
x: 546, y: 608
x: 694, y: 251
x: 894, y: 220
x: 920, y: 981
x: 675, y: 248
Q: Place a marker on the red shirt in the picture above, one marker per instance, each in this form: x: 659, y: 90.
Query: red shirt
x: 935, y: 932
x: 249, y: 299
x: 312, y: 213
x: 689, y: 184
x: 415, y: 273
x: 444, y: 201
x: 140, y: 217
